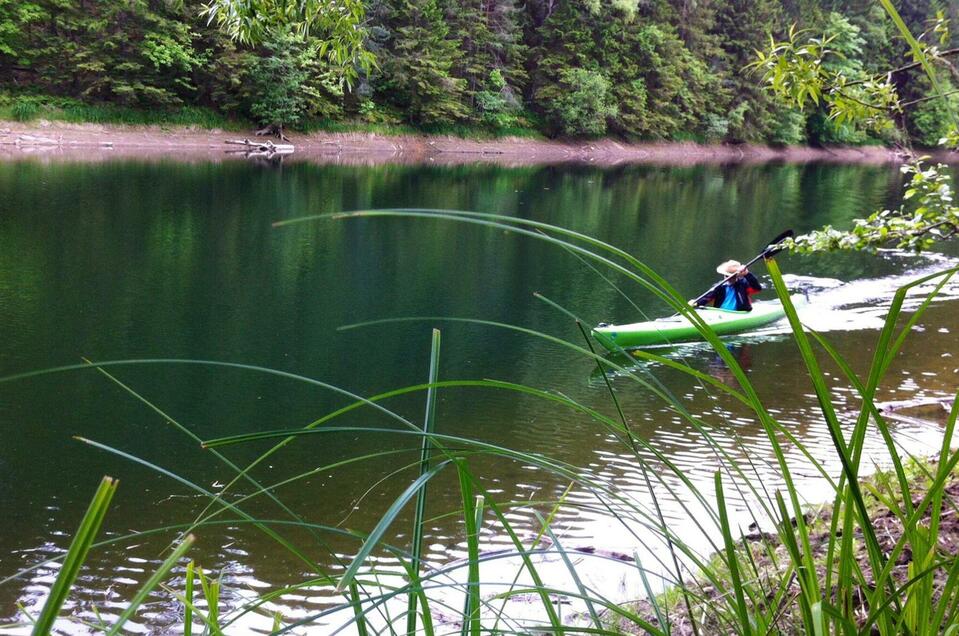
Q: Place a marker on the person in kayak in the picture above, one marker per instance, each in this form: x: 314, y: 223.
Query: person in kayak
x: 735, y: 293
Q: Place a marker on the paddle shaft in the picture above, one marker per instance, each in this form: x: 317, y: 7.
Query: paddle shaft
x: 766, y: 253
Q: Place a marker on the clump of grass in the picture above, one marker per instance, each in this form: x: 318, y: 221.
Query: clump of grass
x: 24, y: 109
x: 32, y: 107
x: 339, y: 126
x: 773, y: 563
x: 820, y: 583
x: 78, y: 112
x: 465, y: 131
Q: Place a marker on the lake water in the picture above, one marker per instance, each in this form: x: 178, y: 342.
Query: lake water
x: 127, y: 260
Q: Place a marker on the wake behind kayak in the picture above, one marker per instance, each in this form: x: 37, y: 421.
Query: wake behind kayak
x: 680, y: 329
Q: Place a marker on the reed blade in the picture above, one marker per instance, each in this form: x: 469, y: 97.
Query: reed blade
x: 76, y: 555
x: 155, y: 579
x: 429, y: 420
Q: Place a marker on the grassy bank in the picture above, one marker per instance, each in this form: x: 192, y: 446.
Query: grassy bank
x: 769, y: 557
x: 31, y: 108
x: 464, y: 131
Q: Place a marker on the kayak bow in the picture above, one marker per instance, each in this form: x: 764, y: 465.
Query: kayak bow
x: 680, y: 329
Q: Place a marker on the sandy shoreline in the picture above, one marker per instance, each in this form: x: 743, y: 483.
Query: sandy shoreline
x: 97, y: 142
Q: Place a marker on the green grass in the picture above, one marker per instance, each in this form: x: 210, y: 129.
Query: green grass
x: 27, y: 108
x: 464, y: 131
x: 881, y: 491
x: 335, y: 126
x: 31, y: 108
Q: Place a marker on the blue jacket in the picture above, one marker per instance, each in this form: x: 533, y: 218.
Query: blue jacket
x: 740, y: 288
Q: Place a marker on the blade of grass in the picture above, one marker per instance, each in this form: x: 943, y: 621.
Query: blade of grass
x: 188, y: 595
x: 936, y: 514
x: 571, y: 568
x: 357, y: 604
x: 732, y: 559
x: 155, y: 579
x: 373, y: 539
x: 76, y: 555
x: 211, y: 593
x: 918, y: 53
x: 792, y: 546
x: 661, y: 616
x: 472, y: 517
x: 950, y: 589
x: 429, y: 421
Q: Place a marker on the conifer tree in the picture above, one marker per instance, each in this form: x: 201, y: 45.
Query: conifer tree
x: 130, y: 52
x: 489, y: 39
x: 743, y: 27
x: 416, y: 72
x: 565, y: 41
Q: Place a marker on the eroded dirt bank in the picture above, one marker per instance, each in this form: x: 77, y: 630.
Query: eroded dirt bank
x: 93, y: 142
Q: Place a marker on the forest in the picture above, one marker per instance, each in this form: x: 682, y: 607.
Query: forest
x: 632, y: 69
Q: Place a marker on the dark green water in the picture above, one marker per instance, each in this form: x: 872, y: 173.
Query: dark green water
x: 164, y: 260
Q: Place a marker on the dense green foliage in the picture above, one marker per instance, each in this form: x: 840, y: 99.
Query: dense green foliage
x: 649, y: 70
x: 827, y: 76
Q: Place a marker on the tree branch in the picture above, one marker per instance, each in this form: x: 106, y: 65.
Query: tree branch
x: 927, y: 98
x: 907, y: 67
x: 905, y: 234
x: 860, y: 102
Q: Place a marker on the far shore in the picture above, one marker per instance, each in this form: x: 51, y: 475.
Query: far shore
x: 52, y: 140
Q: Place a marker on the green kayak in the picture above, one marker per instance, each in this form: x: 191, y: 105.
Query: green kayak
x: 679, y: 329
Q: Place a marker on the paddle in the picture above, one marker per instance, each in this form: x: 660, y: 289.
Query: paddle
x: 774, y: 247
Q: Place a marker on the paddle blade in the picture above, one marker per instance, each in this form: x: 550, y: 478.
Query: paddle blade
x: 775, y: 246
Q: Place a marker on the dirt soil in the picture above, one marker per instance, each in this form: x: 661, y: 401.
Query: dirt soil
x: 97, y: 142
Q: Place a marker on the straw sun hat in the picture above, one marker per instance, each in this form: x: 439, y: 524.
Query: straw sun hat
x: 729, y: 267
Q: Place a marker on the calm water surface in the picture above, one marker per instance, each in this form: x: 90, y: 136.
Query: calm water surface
x: 126, y: 260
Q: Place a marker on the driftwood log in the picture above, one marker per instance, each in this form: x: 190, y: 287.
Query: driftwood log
x: 899, y: 405
x: 36, y: 140
x: 918, y: 411
x: 260, y: 148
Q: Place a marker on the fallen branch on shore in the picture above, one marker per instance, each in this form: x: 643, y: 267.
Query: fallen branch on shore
x: 261, y: 148
x: 917, y: 411
x: 36, y: 140
x: 899, y: 405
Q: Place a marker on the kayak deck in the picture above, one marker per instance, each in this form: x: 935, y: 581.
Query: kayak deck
x: 680, y: 329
